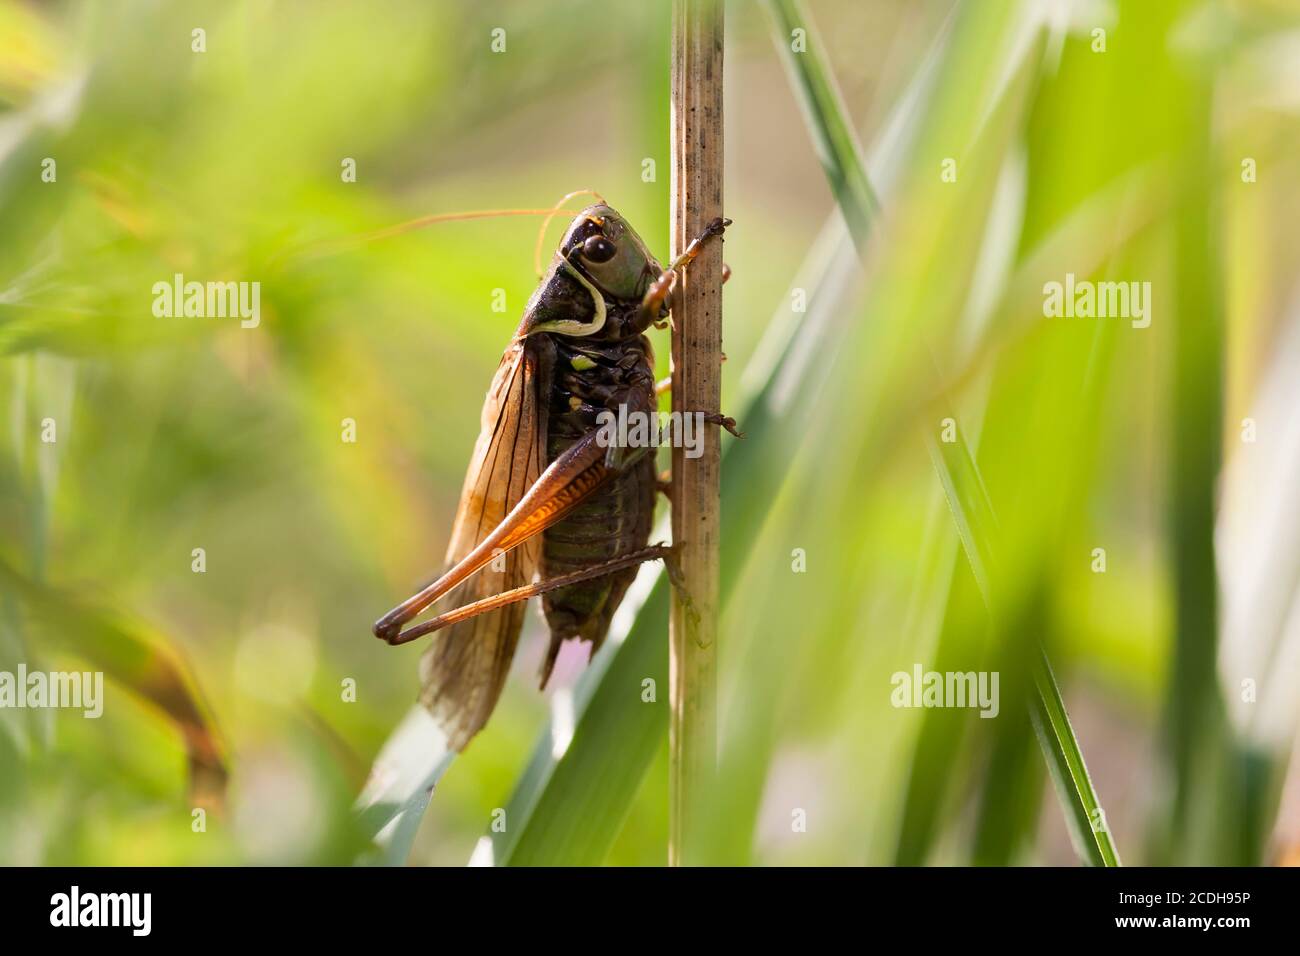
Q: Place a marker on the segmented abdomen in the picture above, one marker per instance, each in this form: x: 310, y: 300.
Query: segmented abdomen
x: 615, y: 520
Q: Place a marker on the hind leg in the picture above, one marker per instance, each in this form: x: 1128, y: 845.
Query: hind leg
x: 516, y: 595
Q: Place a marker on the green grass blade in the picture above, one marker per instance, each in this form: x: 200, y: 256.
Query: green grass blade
x: 968, y: 501
x: 1196, y: 830
x: 833, y: 136
x: 940, y: 741
x: 1088, y: 825
x: 569, y: 810
x: 977, y: 528
x: 963, y: 485
x: 1011, y: 802
x: 401, y: 784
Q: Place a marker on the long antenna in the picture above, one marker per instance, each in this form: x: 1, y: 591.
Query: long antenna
x: 332, y: 246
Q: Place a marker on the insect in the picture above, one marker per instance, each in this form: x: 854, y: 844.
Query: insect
x: 542, y: 496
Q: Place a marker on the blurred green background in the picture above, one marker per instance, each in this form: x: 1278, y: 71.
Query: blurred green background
x: 1163, y: 149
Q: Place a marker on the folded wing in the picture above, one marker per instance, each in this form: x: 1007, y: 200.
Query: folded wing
x: 465, y: 668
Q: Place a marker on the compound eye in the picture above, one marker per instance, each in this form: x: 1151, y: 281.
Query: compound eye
x: 598, y: 249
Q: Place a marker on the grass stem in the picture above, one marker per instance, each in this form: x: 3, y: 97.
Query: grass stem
x: 697, y: 387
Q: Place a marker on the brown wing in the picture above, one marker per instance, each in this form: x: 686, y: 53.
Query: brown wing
x: 463, y: 671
